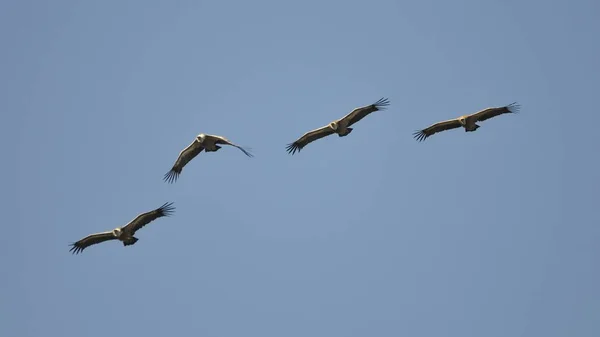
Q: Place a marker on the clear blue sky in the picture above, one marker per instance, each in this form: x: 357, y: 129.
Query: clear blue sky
x: 492, y: 233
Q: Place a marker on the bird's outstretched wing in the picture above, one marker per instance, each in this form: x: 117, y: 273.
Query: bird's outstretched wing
x: 145, y: 218
x: 309, y: 137
x: 223, y: 140
x: 488, y: 113
x: 359, y: 113
x: 421, y: 135
x: 92, y: 239
x: 185, y: 156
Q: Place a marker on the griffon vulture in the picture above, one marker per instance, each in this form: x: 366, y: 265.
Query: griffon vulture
x: 467, y: 122
x: 125, y: 233
x: 204, y: 142
x: 340, y: 126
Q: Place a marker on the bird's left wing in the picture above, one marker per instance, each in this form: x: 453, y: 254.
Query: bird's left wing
x: 488, y: 113
x: 309, y: 137
x: 187, y: 154
x: 145, y: 218
x: 360, y: 113
x: 92, y: 239
x: 421, y: 135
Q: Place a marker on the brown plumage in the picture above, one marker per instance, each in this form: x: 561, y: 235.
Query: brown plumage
x: 125, y: 233
x: 340, y: 126
x: 208, y: 143
x: 468, y: 122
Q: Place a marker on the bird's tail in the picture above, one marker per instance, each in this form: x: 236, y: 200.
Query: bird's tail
x: 473, y: 128
x: 347, y: 132
x: 130, y: 241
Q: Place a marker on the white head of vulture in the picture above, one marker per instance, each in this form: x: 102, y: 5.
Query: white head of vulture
x: 208, y: 143
x: 468, y: 122
x: 340, y: 126
x: 125, y: 233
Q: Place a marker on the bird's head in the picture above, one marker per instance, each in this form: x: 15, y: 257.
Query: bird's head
x: 462, y: 120
x: 200, y: 138
x: 117, y: 232
x: 333, y: 126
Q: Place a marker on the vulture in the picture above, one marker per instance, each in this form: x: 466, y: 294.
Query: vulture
x: 125, y: 233
x: 340, y: 126
x: 208, y: 143
x: 467, y: 122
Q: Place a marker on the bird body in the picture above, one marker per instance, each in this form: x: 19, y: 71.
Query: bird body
x: 468, y: 122
x: 126, y: 233
x: 341, y: 126
x: 124, y: 236
x: 208, y: 143
x: 213, y: 143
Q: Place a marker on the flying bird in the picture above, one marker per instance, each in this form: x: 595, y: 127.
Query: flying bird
x: 340, y: 126
x: 208, y: 143
x: 468, y: 122
x: 125, y: 233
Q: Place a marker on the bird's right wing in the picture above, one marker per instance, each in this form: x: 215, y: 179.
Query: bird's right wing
x: 421, y: 135
x: 359, y: 113
x: 145, y: 218
x: 89, y: 240
x: 309, y: 137
x: 223, y: 140
x: 488, y: 113
x: 185, y: 156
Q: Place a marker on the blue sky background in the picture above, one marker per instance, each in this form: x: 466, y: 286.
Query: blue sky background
x: 492, y: 233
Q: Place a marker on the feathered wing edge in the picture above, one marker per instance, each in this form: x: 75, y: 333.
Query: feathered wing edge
x: 420, y: 135
x: 172, y: 176
x: 167, y: 209
x: 223, y: 140
x: 246, y: 150
x: 292, y: 148
x: 382, y: 103
x: 514, y: 107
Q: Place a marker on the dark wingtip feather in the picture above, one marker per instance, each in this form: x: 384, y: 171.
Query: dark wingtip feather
x: 247, y: 151
x: 166, y: 209
x: 381, y: 103
x: 514, y: 107
x: 420, y: 135
x: 293, y: 148
x: 75, y: 249
x: 171, y: 176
